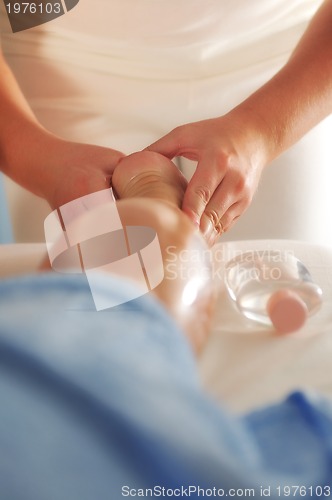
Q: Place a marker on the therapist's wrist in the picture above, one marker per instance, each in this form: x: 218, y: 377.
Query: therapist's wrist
x: 261, y: 136
x: 25, y: 153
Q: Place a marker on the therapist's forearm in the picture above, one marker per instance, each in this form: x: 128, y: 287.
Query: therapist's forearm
x: 21, y: 135
x: 49, y: 166
x: 300, y: 95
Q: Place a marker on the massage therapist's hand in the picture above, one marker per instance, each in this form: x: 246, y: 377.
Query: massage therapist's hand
x: 73, y: 170
x: 230, y: 157
x: 60, y: 170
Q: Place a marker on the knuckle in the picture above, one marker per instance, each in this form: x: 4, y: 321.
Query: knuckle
x: 242, y: 186
x: 223, y: 161
x: 240, y: 182
x: 216, y: 221
x: 220, y: 228
x: 213, y: 217
x: 203, y: 193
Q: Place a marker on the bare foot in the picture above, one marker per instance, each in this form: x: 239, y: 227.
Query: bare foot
x: 149, y: 175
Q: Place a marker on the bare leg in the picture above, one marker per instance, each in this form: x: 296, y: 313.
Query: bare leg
x: 151, y: 188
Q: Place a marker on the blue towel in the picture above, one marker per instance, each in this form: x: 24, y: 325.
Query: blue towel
x: 6, y: 234
x: 108, y: 405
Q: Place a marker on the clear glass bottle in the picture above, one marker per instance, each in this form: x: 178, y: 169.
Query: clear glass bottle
x: 273, y: 288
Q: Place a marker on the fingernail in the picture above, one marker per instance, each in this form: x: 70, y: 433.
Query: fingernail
x: 206, y: 228
x: 214, y: 238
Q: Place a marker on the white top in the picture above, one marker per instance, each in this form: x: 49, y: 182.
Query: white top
x: 122, y: 73
x: 170, y: 39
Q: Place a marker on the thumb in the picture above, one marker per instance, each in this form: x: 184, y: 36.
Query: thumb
x: 169, y: 145
x: 116, y: 156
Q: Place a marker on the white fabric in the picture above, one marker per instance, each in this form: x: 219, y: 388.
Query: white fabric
x: 168, y: 39
x: 123, y: 73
